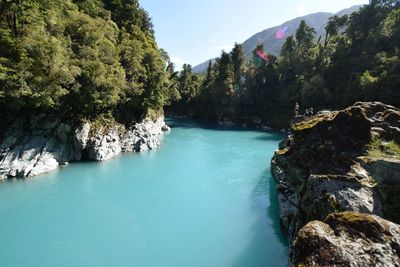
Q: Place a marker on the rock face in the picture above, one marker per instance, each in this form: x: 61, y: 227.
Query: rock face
x: 348, y: 239
x: 41, y: 144
x: 335, y: 162
x: 80, y: 139
x: 140, y: 137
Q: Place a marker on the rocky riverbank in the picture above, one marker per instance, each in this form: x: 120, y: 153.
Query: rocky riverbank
x: 337, y: 175
x: 32, y: 146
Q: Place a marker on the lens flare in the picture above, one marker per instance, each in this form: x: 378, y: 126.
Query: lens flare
x: 281, y: 32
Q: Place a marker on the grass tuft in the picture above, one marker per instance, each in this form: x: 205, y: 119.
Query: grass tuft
x: 382, y: 149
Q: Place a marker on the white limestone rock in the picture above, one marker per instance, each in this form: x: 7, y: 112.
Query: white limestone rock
x: 102, y: 147
x: 80, y: 139
x: 38, y: 145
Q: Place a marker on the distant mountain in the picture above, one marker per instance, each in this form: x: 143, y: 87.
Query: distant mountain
x: 273, y: 45
x: 201, y: 68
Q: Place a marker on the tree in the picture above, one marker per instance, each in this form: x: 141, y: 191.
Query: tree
x: 335, y: 24
x: 237, y: 56
x: 186, y: 89
x: 305, y: 36
x: 70, y: 57
x: 128, y: 13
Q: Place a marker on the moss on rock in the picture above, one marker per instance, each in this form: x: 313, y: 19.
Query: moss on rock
x: 348, y: 239
x: 359, y: 224
x: 345, y: 161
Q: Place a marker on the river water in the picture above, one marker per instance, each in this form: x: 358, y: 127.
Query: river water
x: 205, y: 198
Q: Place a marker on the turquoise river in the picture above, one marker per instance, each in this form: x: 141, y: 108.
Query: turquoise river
x: 204, y: 198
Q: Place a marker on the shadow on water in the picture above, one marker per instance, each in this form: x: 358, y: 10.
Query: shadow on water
x: 273, y: 212
x: 185, y: 123
x: 268, y: 245
x: 275, y: 137
x: 259, y: 199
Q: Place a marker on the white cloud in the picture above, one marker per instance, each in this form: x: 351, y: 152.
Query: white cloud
x: 178, y: 63
x: 301, y: 9
x: 219, y: 48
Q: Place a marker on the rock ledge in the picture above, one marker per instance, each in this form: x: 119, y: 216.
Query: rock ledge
x: 32, y: 146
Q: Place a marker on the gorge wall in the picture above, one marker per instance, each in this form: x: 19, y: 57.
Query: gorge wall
x: 337, y: 174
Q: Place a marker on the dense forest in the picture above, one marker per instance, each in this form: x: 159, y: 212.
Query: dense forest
x: 98, y: 58
x: 358, y: 59
x: 80, y: 59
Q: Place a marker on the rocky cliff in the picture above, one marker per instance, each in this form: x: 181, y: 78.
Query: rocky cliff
x: 35, y: 145
x: 336, y: 173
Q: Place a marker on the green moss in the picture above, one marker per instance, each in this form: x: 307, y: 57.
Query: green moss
x: 340, y: 178
x: 282, y: 151
x: 154, y: 114
x: 381, y: 149
x: 353, y: 217
x: 307, y: 124
x: 358, y: 224
x: 104, y: 124
x: 311, y: 244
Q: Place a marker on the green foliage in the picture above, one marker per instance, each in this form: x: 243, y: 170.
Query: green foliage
x: 237, y: 56
x: 80, y: 58
x: 305, y: 36
x: 187, y: 84
x: 357, y: 60
x: 184, y: 89
x: 90, y: 58
x: 335, y: 24
x: 128, y: 13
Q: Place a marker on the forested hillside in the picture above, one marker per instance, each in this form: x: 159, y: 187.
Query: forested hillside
x: 80, y: 59
x: 359, y: 59
x: 274, y: 45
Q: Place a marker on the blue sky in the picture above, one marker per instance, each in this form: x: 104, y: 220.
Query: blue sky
x: 194, y: 31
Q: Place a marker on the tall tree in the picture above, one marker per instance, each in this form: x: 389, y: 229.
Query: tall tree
x: 237, y: 56
x: 305, y: 36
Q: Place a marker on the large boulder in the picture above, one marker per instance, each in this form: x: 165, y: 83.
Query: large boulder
x: 348, y: 239
x: 34, y: 146
x: 104, y: 146
x: 144, y: 136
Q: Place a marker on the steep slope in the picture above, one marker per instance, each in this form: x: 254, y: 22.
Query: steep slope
x: 201, y: 68
x: 273, y: 45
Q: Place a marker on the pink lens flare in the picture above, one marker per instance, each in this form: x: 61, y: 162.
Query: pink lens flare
x: 262, y: 55
x: 281, y: 32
